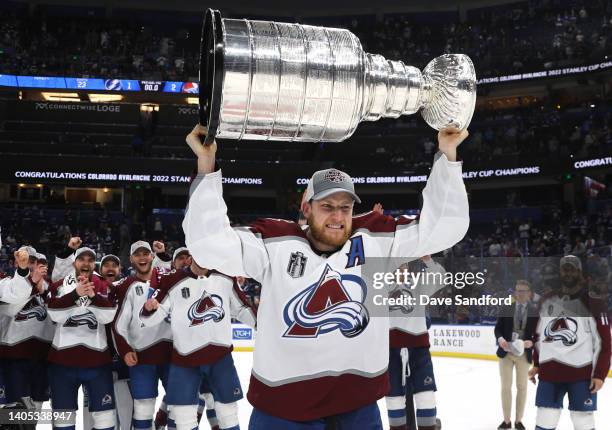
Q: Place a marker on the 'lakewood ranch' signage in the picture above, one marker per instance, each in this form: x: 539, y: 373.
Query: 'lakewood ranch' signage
x: 462, y: 339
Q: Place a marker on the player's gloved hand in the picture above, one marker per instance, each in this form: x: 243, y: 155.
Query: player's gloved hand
x: 75, y: 242
x: 39, y: 273
x: 21, y: 258
x: 205, y: 153
x: 448, y: 141
x: 159, y: 247
x: 532, y: 374
x: 85, y: 287
x: 131, y: 359
x: 38, y: 278
x: 151, y: 305
x: 596, y: 385
x: 40, y: 286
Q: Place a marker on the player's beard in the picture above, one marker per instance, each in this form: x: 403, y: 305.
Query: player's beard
x: 320, y: 235
x: 85, y: 270
x: 569, y: 281
x: 146, y: 271
x: 570, y: 284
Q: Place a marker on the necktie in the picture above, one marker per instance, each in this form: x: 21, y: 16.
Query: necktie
x: 521, y: 315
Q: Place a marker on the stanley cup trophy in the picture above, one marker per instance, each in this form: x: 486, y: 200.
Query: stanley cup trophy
x: 263, y: 80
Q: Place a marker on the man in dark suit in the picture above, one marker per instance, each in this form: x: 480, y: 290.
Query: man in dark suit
x: 510, y: 332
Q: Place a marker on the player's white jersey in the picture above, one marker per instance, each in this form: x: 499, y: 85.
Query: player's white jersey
x: 316, y: 339
x: 573, y: 338
x: 25, y: 327
x: 408, y: 323
x: 80, y: 334
x: 200, y: 310
x: 30, y: 326
x: 15, y: 292
x: 62, y: 267
x: 151, y: 343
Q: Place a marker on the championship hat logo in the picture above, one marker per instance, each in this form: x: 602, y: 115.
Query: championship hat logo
x: 335, y: 176
x: 334, y: 302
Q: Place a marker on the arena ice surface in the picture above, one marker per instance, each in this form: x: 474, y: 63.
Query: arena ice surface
x: 468, y: 396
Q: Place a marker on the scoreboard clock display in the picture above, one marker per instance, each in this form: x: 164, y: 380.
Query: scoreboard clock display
x: 152, y: 86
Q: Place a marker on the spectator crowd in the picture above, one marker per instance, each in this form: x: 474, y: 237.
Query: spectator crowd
x: 520, y: 37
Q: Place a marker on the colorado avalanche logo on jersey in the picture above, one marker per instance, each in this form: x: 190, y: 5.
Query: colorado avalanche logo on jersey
x: 334, y: 302
x: 32, y: 310
x: 87, y: 319
x: 563, y: 329
x: 208, y: 307
x: 398, y: 293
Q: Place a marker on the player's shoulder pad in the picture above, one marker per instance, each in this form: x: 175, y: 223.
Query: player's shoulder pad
x: 544, y: 298
x: 168, y: 279
x: 379, y: 223
x: 597, y: 305
x: 124, y: 284
x: 271, y: 227
x: 222, y: 275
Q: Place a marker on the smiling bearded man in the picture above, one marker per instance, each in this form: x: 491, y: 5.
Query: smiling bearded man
x: 320, y: 358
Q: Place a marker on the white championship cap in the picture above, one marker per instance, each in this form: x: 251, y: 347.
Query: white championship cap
x: 179, y: 251
x: 138, y: 245
x: 327, y: 182
x: 517, y: 346
x: 84, y: 250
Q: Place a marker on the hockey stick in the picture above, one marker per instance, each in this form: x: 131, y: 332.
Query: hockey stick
x: 410, y: 415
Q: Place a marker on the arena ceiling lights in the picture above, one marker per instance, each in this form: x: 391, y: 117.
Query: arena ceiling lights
x: 61, y: 97
x: 104, y: 98
x: 149, y: 107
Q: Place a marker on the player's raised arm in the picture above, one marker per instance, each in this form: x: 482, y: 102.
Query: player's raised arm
x: 444, y: 219
x: 16, y: 290
x: 210, y: 238
x: 64, y: 260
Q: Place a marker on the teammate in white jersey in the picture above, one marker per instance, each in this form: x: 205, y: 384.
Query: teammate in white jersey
x: 318, y: 355
x: 572, y: 354
x: 26, y: 333
x: 200, y: 304
x: 146, y: 350
x: 411, y: 370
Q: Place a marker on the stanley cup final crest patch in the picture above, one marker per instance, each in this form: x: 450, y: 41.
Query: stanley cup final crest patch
x: 297, y: 264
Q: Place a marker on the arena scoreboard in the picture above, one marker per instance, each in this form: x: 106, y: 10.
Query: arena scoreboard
x: 97, y: 84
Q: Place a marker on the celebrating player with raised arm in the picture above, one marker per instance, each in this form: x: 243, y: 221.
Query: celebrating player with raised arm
x: 81, y: 353
x: 146, y: 350
x: 319, y: 357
